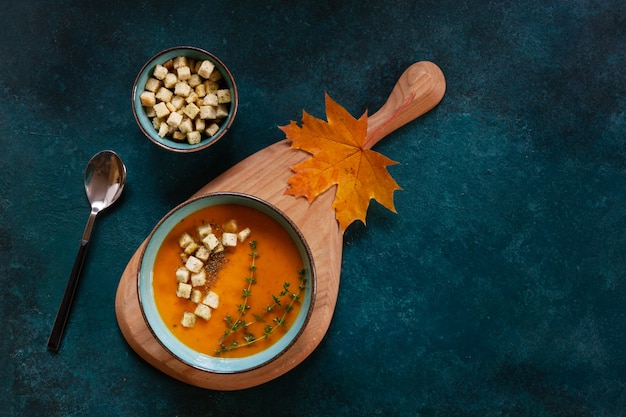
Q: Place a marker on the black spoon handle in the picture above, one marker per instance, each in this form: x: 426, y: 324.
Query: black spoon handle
x: 54, y: 341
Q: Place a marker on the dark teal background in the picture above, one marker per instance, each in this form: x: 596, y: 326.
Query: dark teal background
x: 499, y: 288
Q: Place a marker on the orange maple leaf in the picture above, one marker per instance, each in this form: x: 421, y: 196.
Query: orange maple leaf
x: 339, y: 157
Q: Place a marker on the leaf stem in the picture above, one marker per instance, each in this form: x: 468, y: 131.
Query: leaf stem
x: 369, y: 141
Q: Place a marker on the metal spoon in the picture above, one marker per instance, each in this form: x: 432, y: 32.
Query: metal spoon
x: 105, y: 176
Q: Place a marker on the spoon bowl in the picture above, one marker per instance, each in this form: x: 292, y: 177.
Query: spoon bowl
x: 104, y: 185
x: 105, y: 177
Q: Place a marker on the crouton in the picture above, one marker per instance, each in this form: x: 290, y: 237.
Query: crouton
x: 179, y: 136
x: 178, y: 102
x: 183, y: 72
x: 191, y: 110
x: 210, y: 99
x: 160, y: 72
x: 171, y: 107
x: 222, y: 111
x: 183, y: 290
x: 196, y: 296
x: 203, y: 311
x: 194, y: 80
x: 200, y: 90
x: 212, y: 299
x: 184, y: 240
x: 180, y: 61
x: 244, y: 234
x: 174, y: 119
x: 206, y: 68
x: 230, y: 226
x: 169, y: 64
x: 198, y: 279
x: 182, y: 89
x: 161, y: 110
x: 212, y: 129
x: 211, y: 87
x: 153, y: 85
x: 215, y: 76
x: 223, y: 95
x: 194, y: 264
x: 163, y: 130
x: 229, y: 239
x: 182, y: 275
x: 164, y: 94
x: 210, y: 241
x: 188, y: 320
x: 147, y: 99
x: 192, y: 97
x: 208, y: 112
x: 186, y: 125
x: 170, y: 80
x: 194, y: 137
x: 202, y: 253
x: 204, y: 230
x: 191, y: 248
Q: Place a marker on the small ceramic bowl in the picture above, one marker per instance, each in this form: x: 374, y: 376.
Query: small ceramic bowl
x: 145, y: 122
x: 205, y: 361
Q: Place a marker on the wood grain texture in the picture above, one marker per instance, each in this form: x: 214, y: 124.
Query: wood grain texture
x: 264, y: 175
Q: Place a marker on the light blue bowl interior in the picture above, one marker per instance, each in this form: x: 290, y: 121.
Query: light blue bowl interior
x: 146, y: 73
x: 159, y: 328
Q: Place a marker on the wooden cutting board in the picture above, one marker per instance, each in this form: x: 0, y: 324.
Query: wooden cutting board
x: 264, y: 174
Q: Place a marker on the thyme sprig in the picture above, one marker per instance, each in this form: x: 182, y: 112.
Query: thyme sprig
x: 239, y: 324
x: 235, y: 325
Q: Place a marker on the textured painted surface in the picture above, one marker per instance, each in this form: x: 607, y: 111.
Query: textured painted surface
x: 499, y: 288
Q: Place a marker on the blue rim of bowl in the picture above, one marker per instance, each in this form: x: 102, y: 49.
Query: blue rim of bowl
x: 160, y: 330
x: 145, y: 124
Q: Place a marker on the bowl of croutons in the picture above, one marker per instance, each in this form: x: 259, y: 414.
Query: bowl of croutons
x: 184, y: 99
x: 226, y: 283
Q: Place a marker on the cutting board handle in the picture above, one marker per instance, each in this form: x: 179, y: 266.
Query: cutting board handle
x: 420, y: 88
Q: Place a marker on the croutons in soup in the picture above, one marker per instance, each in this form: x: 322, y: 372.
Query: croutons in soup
x: 228, y: 281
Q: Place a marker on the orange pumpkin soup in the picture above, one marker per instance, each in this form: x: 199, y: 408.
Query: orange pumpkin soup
x: 259, y: 283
